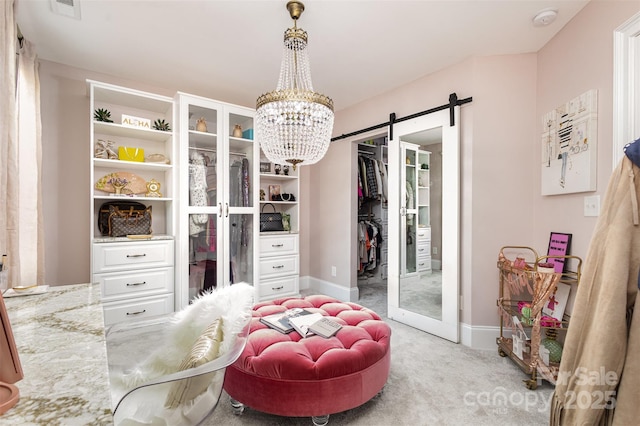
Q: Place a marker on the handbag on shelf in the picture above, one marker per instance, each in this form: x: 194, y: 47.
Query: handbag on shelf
x: 129, y: 222
x: 122, y: 205
x: 126, y: 153
x: 283, y: 197
x: 270, y: 222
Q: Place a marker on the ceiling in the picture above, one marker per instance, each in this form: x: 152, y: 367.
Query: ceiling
x: 231, y: 50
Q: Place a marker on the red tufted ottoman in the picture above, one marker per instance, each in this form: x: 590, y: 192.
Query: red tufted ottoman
x: 286, y: 375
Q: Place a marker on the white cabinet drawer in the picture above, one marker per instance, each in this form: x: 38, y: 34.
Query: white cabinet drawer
x: 424, y: 248
x: 138, y: 308
x: 278, y: 287
x: 424, y: 234
x: 424, y: 263
x: 278, y: 266
x: 117, y: 285
x: 108, y: 257
x: 276, y: 245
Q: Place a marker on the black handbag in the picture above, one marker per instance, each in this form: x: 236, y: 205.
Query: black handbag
x: 270, y: 222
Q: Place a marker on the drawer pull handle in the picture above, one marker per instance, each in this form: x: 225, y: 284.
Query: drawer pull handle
x: 421, y: 264
x: 134, y: 284
x: 278, y: 266
x: 277, y: 288
x: 137, y: 313
x: 420, y: 249
x: 137, y: 255
x: 276, y: 245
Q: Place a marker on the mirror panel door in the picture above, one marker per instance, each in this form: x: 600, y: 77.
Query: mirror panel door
x: 424, y: 207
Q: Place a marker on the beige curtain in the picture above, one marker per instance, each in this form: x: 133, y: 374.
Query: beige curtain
x: 21, y: 231
x: 8, y: 141
x: 30, y: 245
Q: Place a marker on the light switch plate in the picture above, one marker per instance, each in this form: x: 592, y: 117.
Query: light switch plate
x: 592, y: 205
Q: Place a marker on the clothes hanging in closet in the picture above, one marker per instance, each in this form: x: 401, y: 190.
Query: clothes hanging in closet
x: 369, y: 244
x: 372, y: 180
x: 202, y: 227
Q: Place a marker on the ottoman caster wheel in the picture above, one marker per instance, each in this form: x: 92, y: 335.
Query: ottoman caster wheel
x: 237, y: 407
x: 320, y: 420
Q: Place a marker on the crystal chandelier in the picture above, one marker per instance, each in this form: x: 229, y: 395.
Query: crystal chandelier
x: 293, y: 121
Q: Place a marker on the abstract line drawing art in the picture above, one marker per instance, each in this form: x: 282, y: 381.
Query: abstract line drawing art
x: 569, y: 146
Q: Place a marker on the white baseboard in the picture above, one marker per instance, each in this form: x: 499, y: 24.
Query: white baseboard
x: 346, y: 294
x: 476, y: 337
x: 479, y: 337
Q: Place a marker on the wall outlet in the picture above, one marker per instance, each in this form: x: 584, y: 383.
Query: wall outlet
x: 434, y: 250
x: 333, y: 271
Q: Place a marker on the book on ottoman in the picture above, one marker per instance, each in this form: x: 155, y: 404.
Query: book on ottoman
x: 280, y: 321
x: 315, y: 324
x: 301, y: 323
x: 325, y: 327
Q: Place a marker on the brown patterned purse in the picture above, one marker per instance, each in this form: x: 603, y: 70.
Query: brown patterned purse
x: 129, y: 222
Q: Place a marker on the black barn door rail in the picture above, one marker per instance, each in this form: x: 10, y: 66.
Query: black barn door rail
x: 453, y: 102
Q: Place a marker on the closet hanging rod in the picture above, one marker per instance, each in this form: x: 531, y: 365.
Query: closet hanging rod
x: 366, y: 153
x: 369, y: 215
x: 203, y: 149
x: 241, y: 154
x: 453, y: 102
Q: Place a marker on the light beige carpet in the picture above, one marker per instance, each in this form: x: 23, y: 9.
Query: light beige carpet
x: 432, y: 382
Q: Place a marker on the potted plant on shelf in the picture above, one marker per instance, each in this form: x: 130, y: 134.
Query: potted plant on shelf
x: 102, y: 114
x: 161, y: 125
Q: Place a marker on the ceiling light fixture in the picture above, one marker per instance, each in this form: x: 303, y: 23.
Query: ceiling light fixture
x: 545, y: 17
x: 293, y: 121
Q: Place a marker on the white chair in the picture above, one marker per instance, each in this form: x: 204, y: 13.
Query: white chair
x: 169, y: 370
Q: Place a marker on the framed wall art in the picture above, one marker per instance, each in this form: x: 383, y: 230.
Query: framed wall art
x: 569, y: 146
x: 274, y: 192
x: 265, y: 167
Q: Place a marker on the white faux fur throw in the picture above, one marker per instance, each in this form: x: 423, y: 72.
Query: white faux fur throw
x: 232, y: 304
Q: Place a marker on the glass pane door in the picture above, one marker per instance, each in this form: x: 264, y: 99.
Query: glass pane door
x: 410, y: 244
x: 409, y: 201
x: 203, y: 156
x: 203, y: 253
x: 241, y: 196
x: 240, y: 162
x: 241, y: 241
x: 200, y: 124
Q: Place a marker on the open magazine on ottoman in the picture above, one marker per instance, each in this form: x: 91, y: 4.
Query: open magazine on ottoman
x: 315, y: 323
x: 280, y: 321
